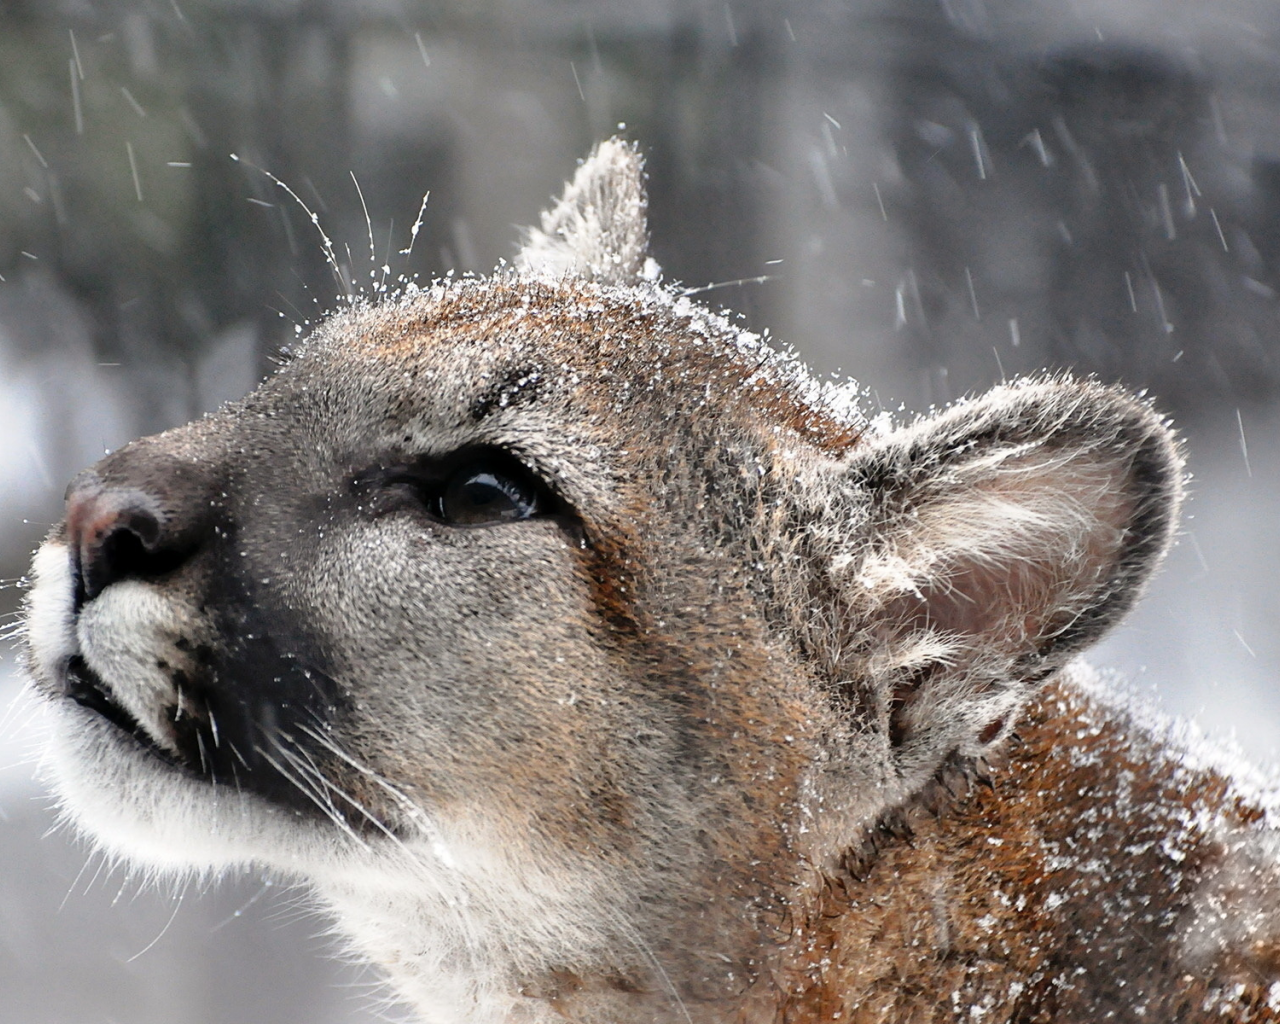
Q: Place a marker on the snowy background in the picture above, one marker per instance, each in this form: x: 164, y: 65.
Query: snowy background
x: 939, y: 193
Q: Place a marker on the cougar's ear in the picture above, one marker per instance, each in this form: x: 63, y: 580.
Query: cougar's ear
x: 597, y: 229
x: 1001, y: 537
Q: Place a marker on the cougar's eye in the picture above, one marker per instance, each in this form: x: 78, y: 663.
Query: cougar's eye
x: 475, y: 486
x: 478, y: 494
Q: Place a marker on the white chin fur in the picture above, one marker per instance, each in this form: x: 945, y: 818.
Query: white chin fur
x: 138, y: 808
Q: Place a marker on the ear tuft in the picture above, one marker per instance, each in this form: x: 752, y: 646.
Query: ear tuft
x: 597, y: 230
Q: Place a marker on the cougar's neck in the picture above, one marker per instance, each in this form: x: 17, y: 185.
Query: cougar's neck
x: 460, y: 954
x: 1056, y: 885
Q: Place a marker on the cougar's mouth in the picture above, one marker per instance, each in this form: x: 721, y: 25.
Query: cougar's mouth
x: 86, y: 688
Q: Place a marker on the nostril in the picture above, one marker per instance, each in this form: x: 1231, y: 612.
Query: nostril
x: 115, y: 534
x: 129, y: 551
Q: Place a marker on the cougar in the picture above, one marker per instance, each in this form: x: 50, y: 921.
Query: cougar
x: 596, y: 663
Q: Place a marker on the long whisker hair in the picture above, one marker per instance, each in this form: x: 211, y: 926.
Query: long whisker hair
x: 427, y: 871
x: 303, y: 780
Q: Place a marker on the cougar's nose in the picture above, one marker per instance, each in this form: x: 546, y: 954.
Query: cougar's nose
x: 118, y: 531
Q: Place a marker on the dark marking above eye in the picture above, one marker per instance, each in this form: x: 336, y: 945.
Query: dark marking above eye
x: 518, y: 386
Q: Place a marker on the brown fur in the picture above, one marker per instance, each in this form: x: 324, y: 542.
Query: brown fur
x: 1057, y: 892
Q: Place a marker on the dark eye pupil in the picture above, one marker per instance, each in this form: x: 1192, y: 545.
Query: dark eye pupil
x: 475, y: 496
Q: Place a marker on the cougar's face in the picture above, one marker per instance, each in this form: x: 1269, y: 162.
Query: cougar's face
x: 395, y: 597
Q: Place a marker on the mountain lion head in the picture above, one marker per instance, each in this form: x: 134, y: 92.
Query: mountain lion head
x: 560, y: 631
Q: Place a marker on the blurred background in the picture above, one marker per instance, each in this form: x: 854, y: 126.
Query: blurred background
x: 928, y: 195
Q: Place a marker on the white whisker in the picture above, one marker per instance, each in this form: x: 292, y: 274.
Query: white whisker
x: 328, y: 244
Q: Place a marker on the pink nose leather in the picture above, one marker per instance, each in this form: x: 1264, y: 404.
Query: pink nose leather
x: 110, y: 532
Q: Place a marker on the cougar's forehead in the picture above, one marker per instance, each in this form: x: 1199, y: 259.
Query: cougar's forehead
x: 517, y: 362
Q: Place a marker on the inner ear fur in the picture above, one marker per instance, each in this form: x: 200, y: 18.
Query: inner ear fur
x: 1001, y: 538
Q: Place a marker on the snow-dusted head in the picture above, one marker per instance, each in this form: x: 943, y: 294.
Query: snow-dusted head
x: 558, y: 629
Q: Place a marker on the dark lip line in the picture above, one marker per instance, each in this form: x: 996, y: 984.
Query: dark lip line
x: 84, y: 686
